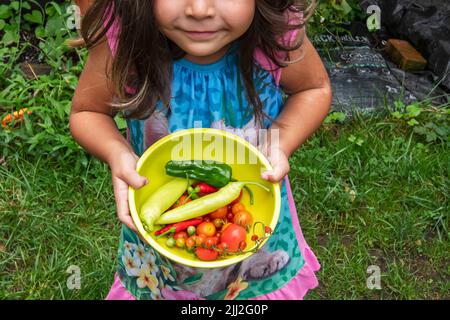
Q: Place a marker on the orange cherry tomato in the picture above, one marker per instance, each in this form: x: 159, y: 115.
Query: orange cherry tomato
x: 237, y: 207
x: 219, y: 213
x: 190, y: 243
x: 206, y: 228
x: 198, y: 241
x: 243, y: 219
x: 206, y: 254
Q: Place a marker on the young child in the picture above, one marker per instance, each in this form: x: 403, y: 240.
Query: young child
x: 170, y: 65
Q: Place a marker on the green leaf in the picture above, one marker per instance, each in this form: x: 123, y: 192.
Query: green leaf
x: 40, y: 32
x: 5, y: 12
x: 15, y: 5
x: 413, y: 122
x: 35, y: 16
x: 120, y: 122
x: 396, y: 115
x: 346, y: 7
x: 10, y: 37
x: 413, y: 110
x: 25, y: 5
x: 2, y: 24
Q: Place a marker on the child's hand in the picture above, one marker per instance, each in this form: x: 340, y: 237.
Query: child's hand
x: 123, y: 169
x: 280, y: 165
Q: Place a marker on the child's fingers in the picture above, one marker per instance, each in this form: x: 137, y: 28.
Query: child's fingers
x: 135, y: 180
x: 272, y: 176
x: 121, y: 196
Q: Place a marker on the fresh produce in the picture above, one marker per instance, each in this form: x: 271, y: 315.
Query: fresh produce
x: 214, y: 173
x: 182, y: 200
x: 161, y: 200
x: 180, y: 242
x: 233, y: 235
x: 206, y: 254
x: 200, y: 190
x: 206, y: 204
x: 191, y: 230
x: 210, y: 240
x: 220, y: 213
x: 177, y: 227
x: 170, y: 242
x: 244, y: 219
x: 205, y: 189
x: 180, y: 234
x: 206, y: 228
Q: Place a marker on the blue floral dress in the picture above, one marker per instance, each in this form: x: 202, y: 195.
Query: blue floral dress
x: 212, y: 95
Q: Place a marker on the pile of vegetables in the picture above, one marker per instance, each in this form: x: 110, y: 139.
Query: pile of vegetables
x: 199, y: 210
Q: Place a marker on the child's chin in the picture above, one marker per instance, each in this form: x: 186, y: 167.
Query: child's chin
x: 205, y: 51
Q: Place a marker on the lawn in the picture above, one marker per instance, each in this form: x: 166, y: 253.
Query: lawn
x: 370, y: 190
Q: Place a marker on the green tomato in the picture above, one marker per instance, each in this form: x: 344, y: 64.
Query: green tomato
x: 170, y: 242
x: 191, y: 230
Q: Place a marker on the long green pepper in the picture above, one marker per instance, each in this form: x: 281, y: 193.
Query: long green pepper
x: 206, y: 204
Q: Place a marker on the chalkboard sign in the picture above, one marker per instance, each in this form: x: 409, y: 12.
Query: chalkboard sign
x: 359, y: 74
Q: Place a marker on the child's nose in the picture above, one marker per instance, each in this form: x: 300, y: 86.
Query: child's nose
x: 200, y: 9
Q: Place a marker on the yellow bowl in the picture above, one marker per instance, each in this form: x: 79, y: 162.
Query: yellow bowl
x: 247, y: 163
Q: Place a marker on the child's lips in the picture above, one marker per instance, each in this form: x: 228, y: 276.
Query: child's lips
x: 201, y: 35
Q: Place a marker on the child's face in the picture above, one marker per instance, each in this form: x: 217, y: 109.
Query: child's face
x: 204, y: 28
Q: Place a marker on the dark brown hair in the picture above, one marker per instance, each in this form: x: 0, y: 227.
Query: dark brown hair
x: 144, y: 55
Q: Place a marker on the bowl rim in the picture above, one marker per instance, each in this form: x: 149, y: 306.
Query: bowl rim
x: 174, y: 257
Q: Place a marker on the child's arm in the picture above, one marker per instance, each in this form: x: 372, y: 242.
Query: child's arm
x: 93, y: 127
x: 309, y: 102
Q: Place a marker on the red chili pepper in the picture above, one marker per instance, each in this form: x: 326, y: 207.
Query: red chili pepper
x: 179, y: 226
x: 206, y: 188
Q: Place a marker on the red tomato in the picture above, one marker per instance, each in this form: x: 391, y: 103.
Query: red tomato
x: 219, y: 213
x: 206, y: 254
x: 181, y: 234
x: 230, y: 216
x: 243, y: 219
x: 211, y: 242
x: 233, y: 235
x: 242, y: 245
x: 206, y: 228
x: 222, y: 247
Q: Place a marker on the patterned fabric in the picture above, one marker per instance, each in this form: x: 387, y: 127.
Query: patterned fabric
x: 213, y: 96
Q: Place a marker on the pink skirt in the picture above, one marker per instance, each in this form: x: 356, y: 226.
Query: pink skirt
x: 295, y: 289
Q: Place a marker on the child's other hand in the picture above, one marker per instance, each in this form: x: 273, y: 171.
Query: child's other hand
x: 124, y: 174
x: 280, y: 165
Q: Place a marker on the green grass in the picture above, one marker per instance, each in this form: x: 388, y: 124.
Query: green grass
x: 383, y: 202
